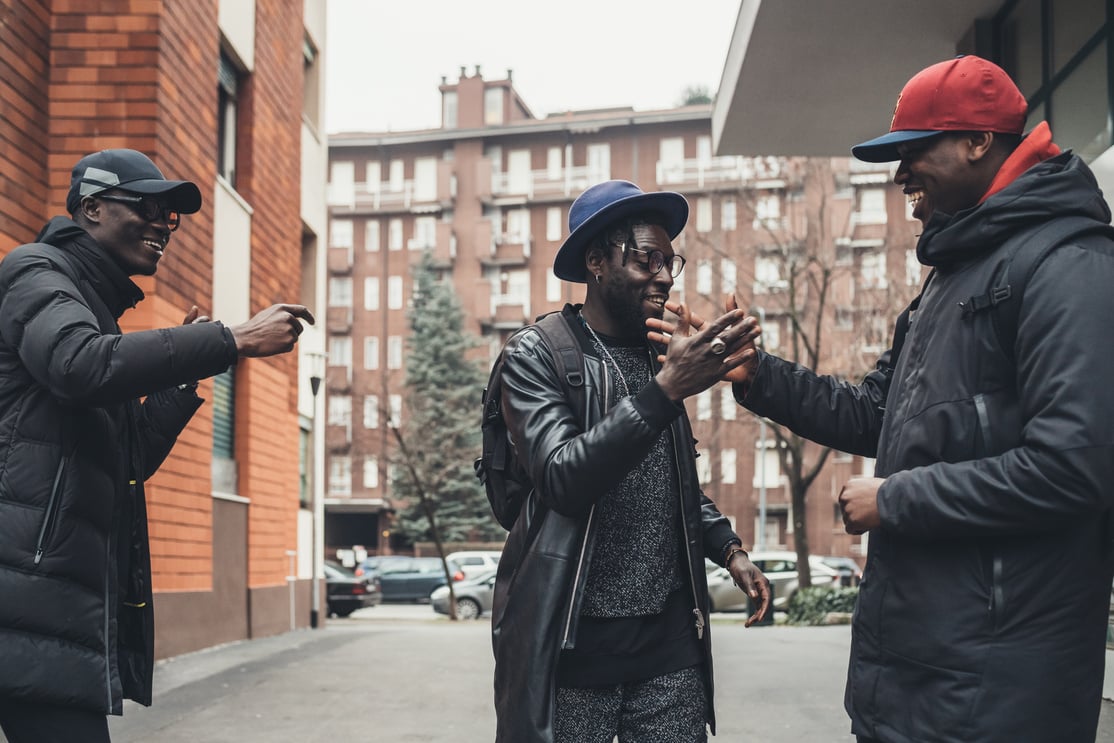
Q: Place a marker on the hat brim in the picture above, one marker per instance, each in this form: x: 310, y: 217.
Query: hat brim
x: 884, y: 149
x: 569, y: 263
x: 181, y: 196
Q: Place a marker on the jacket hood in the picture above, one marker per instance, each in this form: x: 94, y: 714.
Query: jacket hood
x: 114, y: 286
x: 1058, y: 187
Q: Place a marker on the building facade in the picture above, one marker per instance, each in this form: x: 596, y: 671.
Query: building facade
x: 488, y: 194
x: 227, y: 95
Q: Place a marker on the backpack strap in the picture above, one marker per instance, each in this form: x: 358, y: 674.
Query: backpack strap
x: 1026, y: 252
x: 568, y: 358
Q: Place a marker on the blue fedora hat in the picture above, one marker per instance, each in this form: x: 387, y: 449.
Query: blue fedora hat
x: 605, y: 203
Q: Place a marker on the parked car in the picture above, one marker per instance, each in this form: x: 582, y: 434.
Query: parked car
x: 781, y: 570
x: 345, y: 592
x: 473, y: 596
x: 850, y: 574
x: 475, y: 563
x: 405, y: 578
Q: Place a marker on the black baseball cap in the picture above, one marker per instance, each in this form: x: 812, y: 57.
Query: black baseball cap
x: 132, y: 171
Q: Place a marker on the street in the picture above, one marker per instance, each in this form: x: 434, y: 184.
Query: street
x: 401, y: 674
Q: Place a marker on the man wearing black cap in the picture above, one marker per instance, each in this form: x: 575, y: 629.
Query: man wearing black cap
x: 601, y: 606
x: 983, y: 608
x: 76, y: 620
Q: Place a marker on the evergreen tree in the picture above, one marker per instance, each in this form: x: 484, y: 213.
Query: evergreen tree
x: 441, y: 434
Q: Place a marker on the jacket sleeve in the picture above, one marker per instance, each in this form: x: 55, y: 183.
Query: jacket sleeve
x: 163, y: 416
x: 824, y: 409
x: 572, y: 468
x: 45, y: 318
x: 1063, y: 467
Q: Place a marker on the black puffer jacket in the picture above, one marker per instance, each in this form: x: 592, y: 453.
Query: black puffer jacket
x: 545, y: 561
x: 982, y: 613
x: 74, y: 629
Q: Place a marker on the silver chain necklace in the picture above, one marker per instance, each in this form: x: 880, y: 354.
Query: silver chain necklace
x: 603, y: 349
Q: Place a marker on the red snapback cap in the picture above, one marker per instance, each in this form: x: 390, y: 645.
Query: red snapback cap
x: 964, y: 94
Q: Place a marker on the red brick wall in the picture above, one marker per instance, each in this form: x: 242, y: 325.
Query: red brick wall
x: 24, y: 61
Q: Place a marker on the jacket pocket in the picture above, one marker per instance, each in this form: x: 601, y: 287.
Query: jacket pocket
x: 50, y: 514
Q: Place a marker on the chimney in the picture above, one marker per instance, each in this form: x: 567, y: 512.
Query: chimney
x: 478, y: 71
x: 463, y: 72
x: 510, y: 74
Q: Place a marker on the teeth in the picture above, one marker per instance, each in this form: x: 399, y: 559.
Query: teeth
x: 914, y: 197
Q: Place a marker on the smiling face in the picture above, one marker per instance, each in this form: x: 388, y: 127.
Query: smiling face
x: 943, y: 173
x: 135, y: 244
x: 628, y: 291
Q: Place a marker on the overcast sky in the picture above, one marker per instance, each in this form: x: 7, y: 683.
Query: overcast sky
x: 384, y: 60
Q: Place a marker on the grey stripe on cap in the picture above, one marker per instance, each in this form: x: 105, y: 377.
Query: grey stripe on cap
x: 96, y: 180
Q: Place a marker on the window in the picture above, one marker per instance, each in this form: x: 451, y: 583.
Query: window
x: 727, y: 466
x: 342, y: 182
x: 771, y: 335
x: 371, y: 352
x: 728, y: 408
x: 371, y: 293
x: 394, y: 234
x: 371, y: 236
x: 340, y: 410
x: 704, y: 150
x: 395, y: 181
x: 767, y: 212
x: 518, y: 226
x: 425, y: 233
x: 728, y: 276
x: 425, y: 179
x: 224, y: 414
x: 704, y: 405
x: 553, y: 163
x: 874, y: 269
x: 395, y: 418
x: 728, y: 219
x: 340, y: 475
x: 553, y: 223
x: 767, y: 465
x: 872, y: 206
x: 340, y: 291
x: 340, y: 233
x: 228, y: 91
x: 340, y: 351
x: 671, y: 160
x: 311, y: 98
x: 493, y: 106
x: 518, y: 171
x: 599, y: 163
x: 912, y: 268
x: 394, y: 352
x: 371, y: 472
x: 767, y: 273
x: 703, y: 214
x: 394, y: 292
x: 449, y: 109
x: 371, y: 411
x: 704, y: 278
x: 552, y: 287
x: 374, y: 177
x: 703, y: 467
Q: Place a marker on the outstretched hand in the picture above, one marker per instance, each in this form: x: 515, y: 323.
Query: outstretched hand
x: 194, y: 315
x: 272, y: 331
x: 741, y: 356
x: 748, y: 577
x: 696, y: 359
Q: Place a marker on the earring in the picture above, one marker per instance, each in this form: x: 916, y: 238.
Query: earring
x: 598, y: 277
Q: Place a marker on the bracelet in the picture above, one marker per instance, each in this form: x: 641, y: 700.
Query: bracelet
x: 731, y: 555
x: 187, y: 386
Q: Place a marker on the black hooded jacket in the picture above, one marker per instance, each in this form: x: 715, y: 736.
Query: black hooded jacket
x: 76, y: 445
x: 983, y: 609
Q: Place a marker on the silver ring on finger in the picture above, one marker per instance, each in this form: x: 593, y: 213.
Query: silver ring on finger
x: 718, y: 345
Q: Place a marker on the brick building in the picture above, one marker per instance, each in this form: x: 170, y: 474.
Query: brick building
x: 488, y: 193
x: 225, y: 94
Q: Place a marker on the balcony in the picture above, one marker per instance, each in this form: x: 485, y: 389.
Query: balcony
x: 387, y: 197
x: 545, y: 185
x: 338, y: 320
x: 340, y: 260
x: 725, y: 173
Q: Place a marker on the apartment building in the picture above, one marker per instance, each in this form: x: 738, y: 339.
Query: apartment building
x: 488, y: 193
x: 226, y: 94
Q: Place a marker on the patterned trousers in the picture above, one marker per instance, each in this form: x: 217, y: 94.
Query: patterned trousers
x: 664, y: 709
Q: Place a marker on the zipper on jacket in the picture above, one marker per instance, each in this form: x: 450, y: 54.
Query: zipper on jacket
x: 984, y: 425
x: 588, y: 527
x: 51, y: 508
x: 997, y: 599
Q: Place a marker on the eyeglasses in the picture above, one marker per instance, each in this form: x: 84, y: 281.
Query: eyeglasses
x: 656, y: 261
x: 149, y: 209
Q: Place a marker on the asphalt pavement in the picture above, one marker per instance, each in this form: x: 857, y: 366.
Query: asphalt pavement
x: 402, y: 674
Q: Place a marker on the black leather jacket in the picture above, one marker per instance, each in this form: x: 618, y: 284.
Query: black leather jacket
x: 541, y: 575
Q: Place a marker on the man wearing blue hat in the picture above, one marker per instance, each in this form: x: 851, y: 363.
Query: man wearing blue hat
x: 983, y: 609
x: 600, y: 625
x: 76, y: 444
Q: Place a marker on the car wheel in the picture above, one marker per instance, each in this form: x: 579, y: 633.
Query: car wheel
x: 342, y: 613
x: 467, y: 609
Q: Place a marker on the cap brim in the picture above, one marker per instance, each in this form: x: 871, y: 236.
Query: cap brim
x: 884, y: 149
x: 569, y: 263
x: 181, y: 196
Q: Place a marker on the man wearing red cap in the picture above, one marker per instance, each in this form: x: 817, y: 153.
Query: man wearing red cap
x: 983, y: 609
x: 76, y: 444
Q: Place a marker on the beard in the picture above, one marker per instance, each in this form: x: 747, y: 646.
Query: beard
x: 628, y: 313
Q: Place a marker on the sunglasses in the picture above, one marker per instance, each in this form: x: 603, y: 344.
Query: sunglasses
x: 656, y: 261
x: 148, y: 208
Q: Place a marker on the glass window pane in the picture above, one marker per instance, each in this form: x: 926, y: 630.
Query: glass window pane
x: 1080, y: 108
x: 1021, y: 38
x: 1073, y: 23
